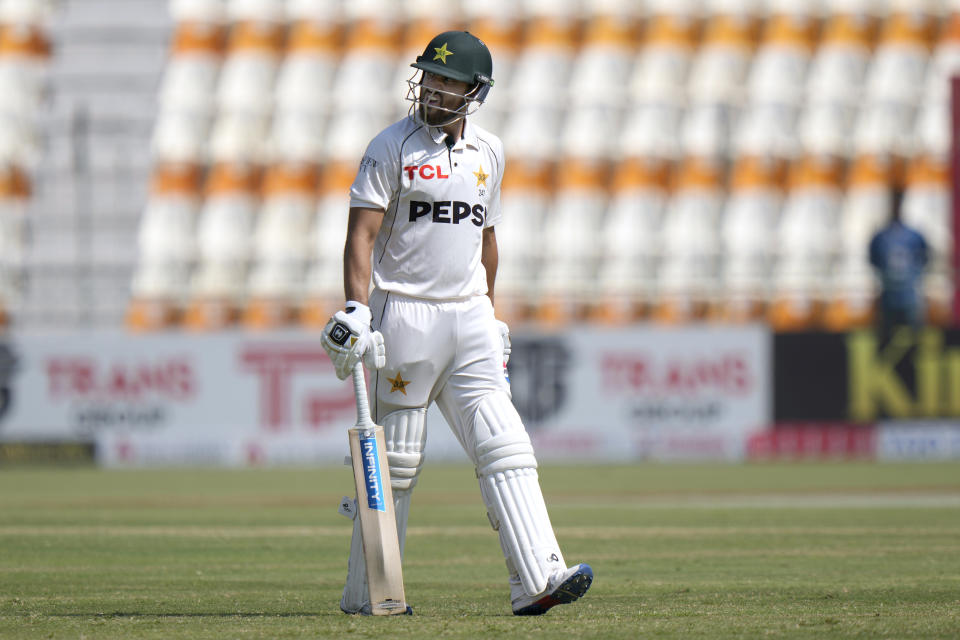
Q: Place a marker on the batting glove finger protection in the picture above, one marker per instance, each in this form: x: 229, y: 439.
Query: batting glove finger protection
x: 375, y: 353
x: 347, y: 338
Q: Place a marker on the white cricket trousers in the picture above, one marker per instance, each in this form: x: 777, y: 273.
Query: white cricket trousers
x: 447, y: 351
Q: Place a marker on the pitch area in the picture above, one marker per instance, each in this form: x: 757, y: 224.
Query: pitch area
x: 680, y: 551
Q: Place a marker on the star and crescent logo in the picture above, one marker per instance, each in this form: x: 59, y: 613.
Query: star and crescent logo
x: 481, y: 176
x: 398, y: 384
x: 442, y: 53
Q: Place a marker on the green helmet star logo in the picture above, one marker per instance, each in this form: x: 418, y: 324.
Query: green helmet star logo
x: 442, y: 53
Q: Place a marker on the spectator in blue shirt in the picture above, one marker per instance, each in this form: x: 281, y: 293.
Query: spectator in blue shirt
x: 899, y: 254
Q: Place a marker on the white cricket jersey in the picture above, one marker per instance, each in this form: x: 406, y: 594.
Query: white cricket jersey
x: 436, y: 201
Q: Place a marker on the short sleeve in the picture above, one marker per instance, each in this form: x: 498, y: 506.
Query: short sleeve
x: 377, y: 177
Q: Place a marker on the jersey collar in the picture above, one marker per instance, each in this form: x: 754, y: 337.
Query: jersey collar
x: 468, y: 139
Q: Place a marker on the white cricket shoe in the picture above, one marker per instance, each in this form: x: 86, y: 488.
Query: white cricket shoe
x: 562, y: 588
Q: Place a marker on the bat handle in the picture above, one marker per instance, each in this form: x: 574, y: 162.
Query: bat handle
x: 360, y: 390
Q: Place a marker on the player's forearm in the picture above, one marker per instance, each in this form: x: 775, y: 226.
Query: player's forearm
x: 361, y: 233
x: 490, y: 258
x: 356, y: 271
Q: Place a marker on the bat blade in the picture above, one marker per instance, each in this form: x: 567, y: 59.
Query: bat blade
x: 378, y: 524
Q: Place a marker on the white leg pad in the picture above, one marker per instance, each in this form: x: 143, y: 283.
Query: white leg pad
x: 405, y: 434
x: 511, y: 491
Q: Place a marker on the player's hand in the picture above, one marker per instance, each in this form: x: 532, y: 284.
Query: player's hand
x: 505, y: 336
x: 348, y: 337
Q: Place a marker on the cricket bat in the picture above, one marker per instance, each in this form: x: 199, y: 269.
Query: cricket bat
x: 378, y: 524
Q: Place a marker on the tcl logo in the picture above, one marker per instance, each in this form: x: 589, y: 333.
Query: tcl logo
x: 427, y: 172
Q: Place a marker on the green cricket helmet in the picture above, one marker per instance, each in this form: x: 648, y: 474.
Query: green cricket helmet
x: 461, y: 56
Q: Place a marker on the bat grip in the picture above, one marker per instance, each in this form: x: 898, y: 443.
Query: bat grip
x: 360, y: 390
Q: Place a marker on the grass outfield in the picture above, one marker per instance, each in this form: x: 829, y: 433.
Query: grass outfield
x: 679, y: 551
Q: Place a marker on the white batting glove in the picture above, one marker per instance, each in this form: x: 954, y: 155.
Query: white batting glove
x: 348, y: 337
x: 505, y: 336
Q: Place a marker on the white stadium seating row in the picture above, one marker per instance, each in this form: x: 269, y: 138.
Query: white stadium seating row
x: 672, y: 160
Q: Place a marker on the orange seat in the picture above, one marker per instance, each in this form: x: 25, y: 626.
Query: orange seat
x: 324, y: 290
x: 280, y: 245
x: 570, y: 243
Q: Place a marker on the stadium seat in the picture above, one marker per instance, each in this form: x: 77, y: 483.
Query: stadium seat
x: 348, y: 133
x: 167, y: 249
x: 707, y: 129
x: 216, y: 297
x: 324, y: 281
x: 562, y: 10
x: 224, y: 233
x: 663, y: 62
x: 502, y: 37
x: 945, y: 61
x: 652, y: 129
x: 864, y: 210
x: 366, y: 71
x: 303, y: 100
x: 839, y: 65
x: 281, y: 245
x: 525, y: 202
x: 597, y: 87
x: 884, y: 127
x: 317, y: 11
x: 509, y: 11
x: 256, y: 11
x: 602, y: 65
x: 720, y: 66
x: 571, y: 245
x: 24, y: 60
x: 927, y: 208
x: 688, y: 273
x: 932, y: 129
x: 239, y: 138
x: 357, y: 11
x: 898, y: 67
x: 531, y: 132
x: 308, y: 67
x: 590, y: 130
x: 296, y: 137
x: 866, y: 202
x: 26, y: 12
x: 895, y: 80
x: 167, y: 226
x: 203, y: 11
x: 180, y: 138
x: 246, y: 82
x: 779, y: 70
x: 190, y: 78
x: 541, y: 73
x: 225, y: 226
x: 748, y: 234
x: 766, y: 128
x: 926, y: 203
x: 156, y: 297
x: 823, y: 128
x: 806, y: 242
x: 630, y: 240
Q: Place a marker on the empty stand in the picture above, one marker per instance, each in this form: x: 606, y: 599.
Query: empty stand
x: 667, y: 160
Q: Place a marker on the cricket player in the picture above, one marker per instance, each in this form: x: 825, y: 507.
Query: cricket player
x: 423, y: 209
